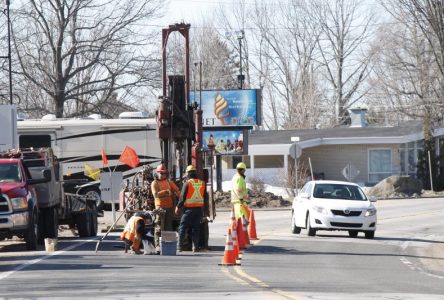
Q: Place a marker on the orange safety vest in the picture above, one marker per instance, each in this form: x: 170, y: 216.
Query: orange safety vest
x: 163, y: 194
x: 195, y: 193
x: 130, y: 233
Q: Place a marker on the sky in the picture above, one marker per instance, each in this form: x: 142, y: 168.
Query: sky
x: 190, y: 10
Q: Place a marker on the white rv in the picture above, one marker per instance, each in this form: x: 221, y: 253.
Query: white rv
x: 77, y: 142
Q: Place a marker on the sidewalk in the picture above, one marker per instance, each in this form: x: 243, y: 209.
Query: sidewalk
x: 433, y: 257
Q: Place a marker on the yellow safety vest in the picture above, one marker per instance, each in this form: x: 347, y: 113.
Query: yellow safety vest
x: 195, y: 193
x: 130, y: 233
x: 239, y: 188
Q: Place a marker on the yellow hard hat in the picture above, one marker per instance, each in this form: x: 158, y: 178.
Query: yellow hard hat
x: 241, y: 165
x: 191, y: 168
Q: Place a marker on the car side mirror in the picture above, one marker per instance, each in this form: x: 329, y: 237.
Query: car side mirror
x: 372, y: 198
x: 46, y: 177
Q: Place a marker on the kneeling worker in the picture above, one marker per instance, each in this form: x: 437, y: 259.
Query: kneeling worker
x: 135, y: 232
x: 192, y: 198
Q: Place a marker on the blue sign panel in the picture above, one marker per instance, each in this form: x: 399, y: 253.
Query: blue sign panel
x: 229, y: 107
x: 225, y: 141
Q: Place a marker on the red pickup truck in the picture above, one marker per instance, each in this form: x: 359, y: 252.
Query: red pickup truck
x: 18, y: 201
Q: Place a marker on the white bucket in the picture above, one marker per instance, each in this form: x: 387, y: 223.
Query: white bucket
x: 50, y: 245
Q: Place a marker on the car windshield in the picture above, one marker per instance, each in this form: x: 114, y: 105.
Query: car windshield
x: 338, y: 191
x: 9, y: 173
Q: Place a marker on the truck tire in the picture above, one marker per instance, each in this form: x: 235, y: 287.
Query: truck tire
x: 49, y: 223
x: 33, y: 232
x: 93, y: 219
x: 83, y: 222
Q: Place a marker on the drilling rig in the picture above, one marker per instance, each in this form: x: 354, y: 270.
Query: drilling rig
x: 179, y: 126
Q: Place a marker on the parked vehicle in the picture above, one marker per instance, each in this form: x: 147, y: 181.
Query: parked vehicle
x: 33, y: 202
x: 19, y: 213
x: 79, y: 142
x: 333, y: 205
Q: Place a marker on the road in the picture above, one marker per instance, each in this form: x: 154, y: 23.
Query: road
x: 404, y: 261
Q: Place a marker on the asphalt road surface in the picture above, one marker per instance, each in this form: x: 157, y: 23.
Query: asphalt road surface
x: 404, y: 261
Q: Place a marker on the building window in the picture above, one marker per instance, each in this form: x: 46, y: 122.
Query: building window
x: 379, y: 164
x: 409, y: 154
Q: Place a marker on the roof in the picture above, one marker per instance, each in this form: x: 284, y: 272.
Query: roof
x: 284, y: 136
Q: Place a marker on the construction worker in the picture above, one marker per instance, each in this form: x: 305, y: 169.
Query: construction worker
x: 135, y: 232
x: 239, y: 192
x: 192, y: 198
x: 163, y: 191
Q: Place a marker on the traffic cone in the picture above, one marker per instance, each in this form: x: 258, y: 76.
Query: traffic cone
x: 241, y: 235
x: 233, y: 218
x: 252, y: 227
x: 244, y: 228
x: 237, y: 250
x: 229, y: 259
x: 235, y: 244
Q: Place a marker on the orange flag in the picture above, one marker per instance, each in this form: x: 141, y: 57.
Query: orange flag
x: 129, y: 157
x: 104, y: 158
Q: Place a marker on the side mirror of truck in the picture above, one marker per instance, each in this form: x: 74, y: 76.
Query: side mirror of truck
x: 46, y: 178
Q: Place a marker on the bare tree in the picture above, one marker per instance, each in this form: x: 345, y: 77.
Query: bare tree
x: 405, y: 76
x: 287, y: 49
x: 219, y: 68
x: 345, y: 31
x: 425, y: 20
x: 80, y: 53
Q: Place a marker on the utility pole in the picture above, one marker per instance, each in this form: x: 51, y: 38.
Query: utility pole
x: 7, y: 2
x: 241, y: 77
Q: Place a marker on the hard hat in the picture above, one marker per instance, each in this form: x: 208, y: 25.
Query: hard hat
x: 191, y: 168
x: 161, y: 169
x: 241, y: 165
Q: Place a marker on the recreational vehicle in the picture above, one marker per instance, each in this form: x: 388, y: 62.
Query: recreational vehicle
x: 78, y: 144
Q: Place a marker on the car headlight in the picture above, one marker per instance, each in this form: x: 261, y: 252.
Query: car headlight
x: 320, y: 209
x: 19, y: 203
x: 370, y: 212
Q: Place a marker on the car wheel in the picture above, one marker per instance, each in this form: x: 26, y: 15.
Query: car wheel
x: 369, y: 234
x: 294, y: 228
x: 310, y: 230
x: 352, y: 233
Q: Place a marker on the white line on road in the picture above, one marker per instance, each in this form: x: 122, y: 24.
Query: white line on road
x: 4, y: 275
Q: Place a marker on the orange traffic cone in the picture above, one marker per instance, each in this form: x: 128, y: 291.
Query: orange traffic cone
x: 252, y: 227
x: 229, y: 259
x: 233, y: 218
x: 244, y: 228
x: 235, y: 243
x: 241, y: 234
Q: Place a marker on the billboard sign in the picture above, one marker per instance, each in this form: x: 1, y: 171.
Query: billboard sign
x: 238, y: 108
x: 226, y: 141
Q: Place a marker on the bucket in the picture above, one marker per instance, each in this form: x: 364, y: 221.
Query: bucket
x: 168, y: 247
x: 50, y: 245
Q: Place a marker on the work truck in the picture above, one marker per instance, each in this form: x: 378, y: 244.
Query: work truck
x: 33, y: 202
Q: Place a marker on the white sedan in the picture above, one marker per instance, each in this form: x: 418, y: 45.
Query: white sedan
x: 333, y: 205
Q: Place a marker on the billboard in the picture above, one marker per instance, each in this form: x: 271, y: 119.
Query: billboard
x: 237, y: 108
x: 226, y: 141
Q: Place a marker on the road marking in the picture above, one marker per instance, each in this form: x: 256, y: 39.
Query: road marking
x: 246, y: 279
x: 262, y: 284
x: 239, y: 280
x: 414, y: 267
x: 4, y: 275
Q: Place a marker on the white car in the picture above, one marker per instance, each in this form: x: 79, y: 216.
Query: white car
x: 333, y: 205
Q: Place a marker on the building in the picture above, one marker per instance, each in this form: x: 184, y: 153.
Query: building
x: 361, y: 153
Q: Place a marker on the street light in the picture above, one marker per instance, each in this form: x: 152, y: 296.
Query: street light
x: 240, y: 35
x: 7, y: 2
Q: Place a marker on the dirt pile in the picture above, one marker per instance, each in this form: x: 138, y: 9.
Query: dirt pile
x: 256, y: 200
